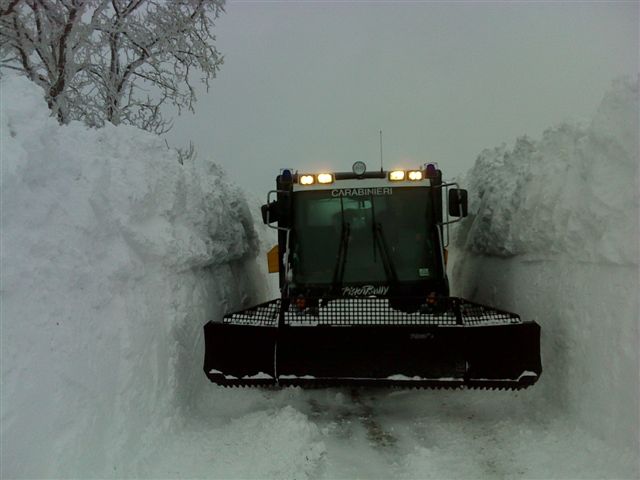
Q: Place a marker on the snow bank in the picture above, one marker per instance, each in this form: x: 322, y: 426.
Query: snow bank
x: 553, y: 235
x: 113, y: 257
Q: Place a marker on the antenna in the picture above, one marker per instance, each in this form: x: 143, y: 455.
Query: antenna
x: 381, y: 169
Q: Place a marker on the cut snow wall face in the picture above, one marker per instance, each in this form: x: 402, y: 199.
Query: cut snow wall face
x: 114, y: 255
x: 553, y: 235
x: 574, y: 192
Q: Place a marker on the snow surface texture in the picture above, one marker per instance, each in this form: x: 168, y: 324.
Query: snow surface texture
x: 114, y: 256
x: 553, y: 235
x: 572, y: 193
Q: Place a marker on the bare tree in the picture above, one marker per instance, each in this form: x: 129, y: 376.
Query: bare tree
x: 42, y: 40
x: 115, y: 61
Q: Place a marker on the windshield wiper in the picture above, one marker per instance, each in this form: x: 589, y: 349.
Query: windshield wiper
x: 379, y: 240
x: 341, y: 259
x: 387, y: 260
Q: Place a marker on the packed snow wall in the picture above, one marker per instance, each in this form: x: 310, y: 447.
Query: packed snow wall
x: 553, y: 235
x: 114, y: 255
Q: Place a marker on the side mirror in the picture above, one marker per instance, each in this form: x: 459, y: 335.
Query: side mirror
x: 270, y: 213
x: 457, y: 202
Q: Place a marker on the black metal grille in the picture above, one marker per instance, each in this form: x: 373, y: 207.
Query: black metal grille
x: 372, y: 311
x: 265, y: 314
x: 477, y: 314
x: 365, y: 311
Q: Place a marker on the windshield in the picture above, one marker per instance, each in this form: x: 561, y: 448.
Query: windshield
x: 367, y: 239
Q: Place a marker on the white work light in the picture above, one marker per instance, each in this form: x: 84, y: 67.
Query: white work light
x: 306, y: 179
x: 415, y: 175
x: 396, y: 175
x: 325, y: 178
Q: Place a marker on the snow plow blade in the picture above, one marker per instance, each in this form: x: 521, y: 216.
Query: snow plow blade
x: 372, y: 341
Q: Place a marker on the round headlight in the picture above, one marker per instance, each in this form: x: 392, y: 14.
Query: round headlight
x: 359, y: 168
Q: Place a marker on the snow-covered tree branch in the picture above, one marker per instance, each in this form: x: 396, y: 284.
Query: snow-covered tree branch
x: 115, y: 61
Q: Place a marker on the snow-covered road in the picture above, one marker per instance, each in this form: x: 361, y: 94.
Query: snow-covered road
x: 384, y: 434
x: 114, y: 256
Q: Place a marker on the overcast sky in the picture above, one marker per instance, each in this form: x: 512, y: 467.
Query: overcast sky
x: 308, y: 85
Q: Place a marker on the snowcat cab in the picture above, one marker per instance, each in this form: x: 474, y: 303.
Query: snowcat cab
x: 361, y: 258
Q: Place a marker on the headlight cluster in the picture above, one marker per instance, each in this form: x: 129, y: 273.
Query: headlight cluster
x: 308, y: 179
x: 326, y: 178
x: 399, y: 175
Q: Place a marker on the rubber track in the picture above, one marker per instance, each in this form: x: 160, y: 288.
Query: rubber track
x: 404, y: 385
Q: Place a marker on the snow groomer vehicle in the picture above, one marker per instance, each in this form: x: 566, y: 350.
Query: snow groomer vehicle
x: 362, y: 258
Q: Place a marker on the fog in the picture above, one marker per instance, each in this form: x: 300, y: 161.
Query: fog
x: 308, y: 85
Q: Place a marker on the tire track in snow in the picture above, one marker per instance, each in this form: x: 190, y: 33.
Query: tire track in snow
x: 358, y: 444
